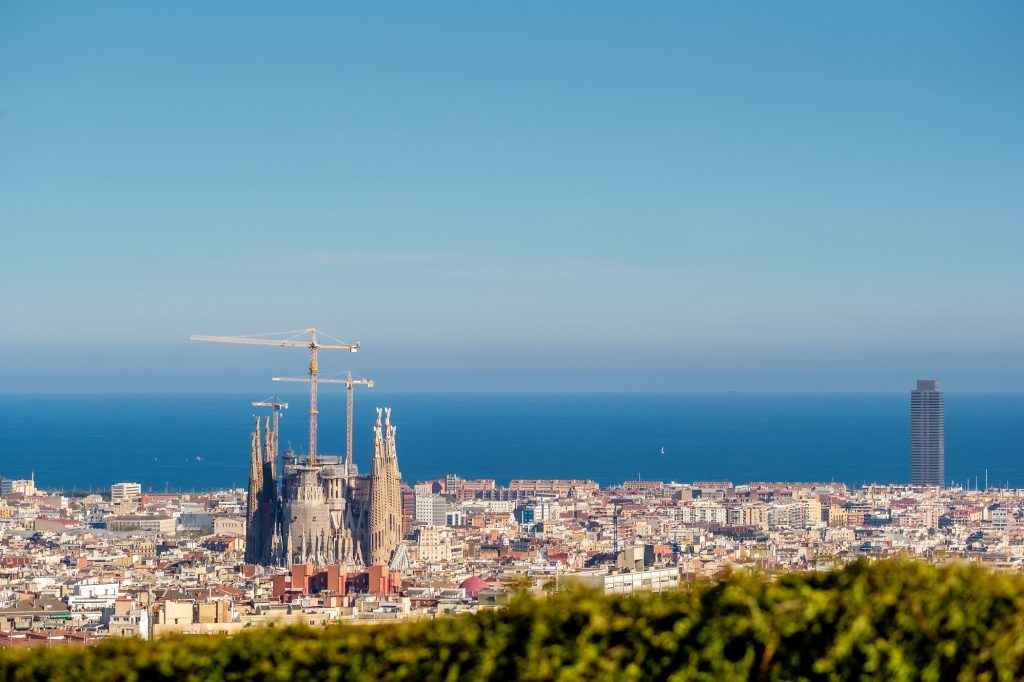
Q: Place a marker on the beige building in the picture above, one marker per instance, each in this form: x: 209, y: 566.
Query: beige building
x: 208, y: 618
x: 627, y: 582
x: 837, y: 516
x: 229, y: 525
x: 437, y: 544
x: 813, y: 505
x: 23, y: 486
x: 468, y: 489
x: 127, y: 619
x: 150, y: 524
x: 125, y: 492
x: 749, y: 514
x: 561, y: 487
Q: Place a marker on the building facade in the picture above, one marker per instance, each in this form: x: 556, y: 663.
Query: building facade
x: 323, y: 513
x: 431, y: 510
x: 11, y: 486
x: 264, y: 534
x: 927, y: 434
x: 125, y: 492
x: 164, y: 525
x: 385, y: 528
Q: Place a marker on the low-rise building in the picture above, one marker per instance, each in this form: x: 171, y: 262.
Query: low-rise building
x: 163, y: 525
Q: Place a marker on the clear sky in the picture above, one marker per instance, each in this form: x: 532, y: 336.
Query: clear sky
x: 514, y: 196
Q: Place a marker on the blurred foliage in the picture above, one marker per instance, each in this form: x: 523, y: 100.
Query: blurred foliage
x: 894, y: 620
x: 518, y: 582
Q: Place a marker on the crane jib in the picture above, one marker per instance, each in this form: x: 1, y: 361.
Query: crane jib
x: 311, y: 344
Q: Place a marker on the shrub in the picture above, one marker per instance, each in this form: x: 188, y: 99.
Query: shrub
x: 886, y: 620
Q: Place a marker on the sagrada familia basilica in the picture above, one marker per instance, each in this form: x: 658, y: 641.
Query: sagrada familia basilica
x: 320, y: 510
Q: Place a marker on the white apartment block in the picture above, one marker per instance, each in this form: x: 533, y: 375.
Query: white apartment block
x: 628, y: 582
x: 125, y: 492
x: 431, y: 510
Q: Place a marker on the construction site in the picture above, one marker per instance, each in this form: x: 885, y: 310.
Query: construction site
x: 312, y: 509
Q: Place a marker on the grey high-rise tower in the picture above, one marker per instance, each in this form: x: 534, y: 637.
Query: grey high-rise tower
x: 927, y: 434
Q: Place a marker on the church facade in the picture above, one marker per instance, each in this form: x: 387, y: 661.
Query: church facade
x: 323, y: 512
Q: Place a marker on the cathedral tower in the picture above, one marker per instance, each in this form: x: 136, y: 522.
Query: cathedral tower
x: 263, y: 510
x: 385, y: 527
x: 256, y: 531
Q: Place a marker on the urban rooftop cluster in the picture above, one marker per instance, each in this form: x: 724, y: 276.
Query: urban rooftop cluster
x: 312, y: 541
x: 76, y: 569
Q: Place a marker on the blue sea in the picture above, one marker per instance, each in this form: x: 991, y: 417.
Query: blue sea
x: 201, y: 442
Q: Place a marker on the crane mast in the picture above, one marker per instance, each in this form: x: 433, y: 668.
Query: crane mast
x: 350, y: 385
x: 312, y: 400
x: 313, y: 344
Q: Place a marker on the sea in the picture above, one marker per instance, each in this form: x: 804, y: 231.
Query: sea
x: 179, y: 442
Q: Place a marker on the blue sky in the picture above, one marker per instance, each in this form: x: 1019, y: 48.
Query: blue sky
x: 517, y: 196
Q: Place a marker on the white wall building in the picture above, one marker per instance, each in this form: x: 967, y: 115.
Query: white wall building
x: 628, y: 582
x: 125, y: 492
x: 431, y: 510
x: 94, y: 596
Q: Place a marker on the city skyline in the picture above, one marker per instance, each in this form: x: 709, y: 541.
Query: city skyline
x: 696, y: 198
x: 645, y: 285
x: 196, y: 442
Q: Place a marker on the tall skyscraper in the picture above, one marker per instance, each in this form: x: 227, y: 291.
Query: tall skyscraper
x: 927, y: 434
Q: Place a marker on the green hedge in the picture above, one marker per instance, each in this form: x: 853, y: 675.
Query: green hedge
x: 886, y: 620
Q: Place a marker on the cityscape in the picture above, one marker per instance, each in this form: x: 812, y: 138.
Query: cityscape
x: 661, y: 341
x: 310, y: 540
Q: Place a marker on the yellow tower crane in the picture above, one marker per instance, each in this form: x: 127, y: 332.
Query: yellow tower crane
x: 350, y: 385
x: 291, y: 340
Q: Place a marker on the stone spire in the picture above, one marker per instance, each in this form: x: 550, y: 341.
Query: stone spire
x: 269, y: 517
x: 385, y: 531
x: 255, y: 530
